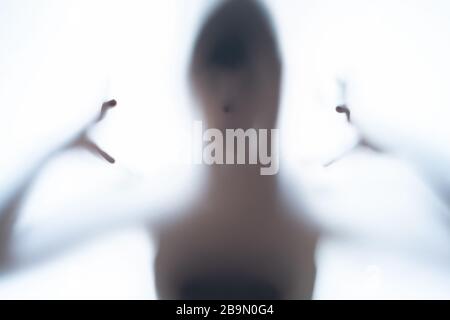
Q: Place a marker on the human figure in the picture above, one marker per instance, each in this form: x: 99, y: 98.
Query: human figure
x: 243, y: 238
x: 246, y: 234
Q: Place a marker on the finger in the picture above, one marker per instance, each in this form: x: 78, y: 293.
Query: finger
x: 344, y: 109
x: 340, y: 157
x: 95, y: 149
x: 105, y: 107
x: 105, y: 155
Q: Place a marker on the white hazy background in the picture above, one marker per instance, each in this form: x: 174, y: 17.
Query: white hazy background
x: 59, y: 60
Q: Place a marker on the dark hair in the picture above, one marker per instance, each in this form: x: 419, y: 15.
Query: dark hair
x: 231, y: 32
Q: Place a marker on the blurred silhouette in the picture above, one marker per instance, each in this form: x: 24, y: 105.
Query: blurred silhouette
x: 10, y: 209
x: 243, y: 238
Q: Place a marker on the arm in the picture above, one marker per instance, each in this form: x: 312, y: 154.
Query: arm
x: 429, y: 163
x: 11, y: 204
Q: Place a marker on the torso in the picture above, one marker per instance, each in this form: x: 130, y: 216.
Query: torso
x: 256, y: 233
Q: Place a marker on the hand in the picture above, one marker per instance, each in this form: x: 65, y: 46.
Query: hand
x: 362, y: 142
x: 83, y: 141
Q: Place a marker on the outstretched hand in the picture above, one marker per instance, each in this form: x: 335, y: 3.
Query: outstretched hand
x: 363, y: 141
x: 82, y: 140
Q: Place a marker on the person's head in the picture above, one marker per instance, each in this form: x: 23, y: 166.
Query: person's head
x: 237, y: 245
x: 236, y: 69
